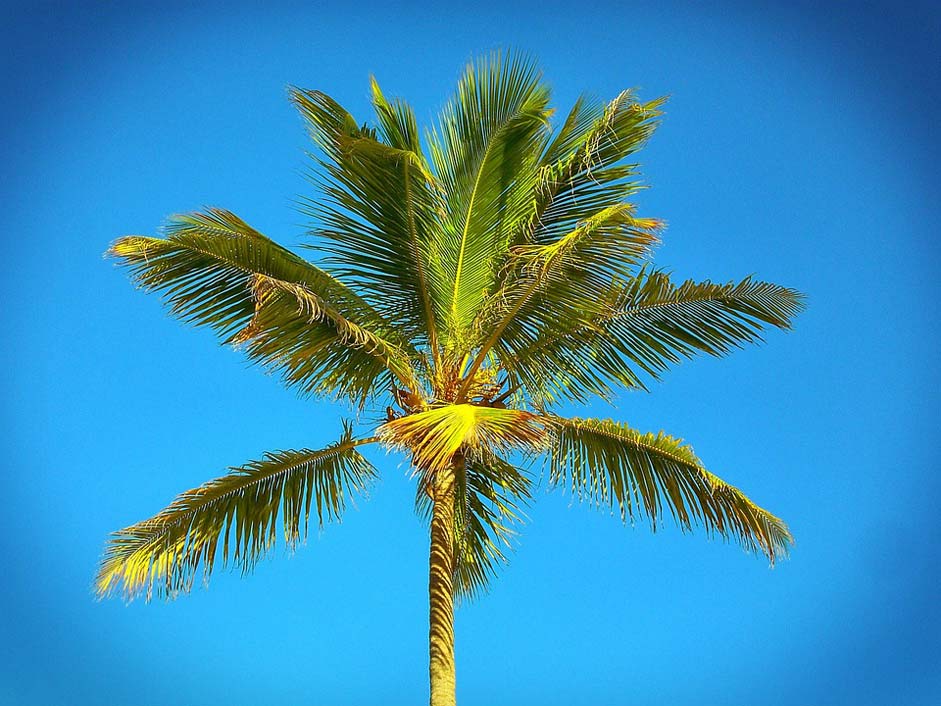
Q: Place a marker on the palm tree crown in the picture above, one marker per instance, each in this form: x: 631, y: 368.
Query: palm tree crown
x: 473, y: 279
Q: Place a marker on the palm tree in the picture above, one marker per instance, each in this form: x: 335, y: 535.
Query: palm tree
x: 472, y: 283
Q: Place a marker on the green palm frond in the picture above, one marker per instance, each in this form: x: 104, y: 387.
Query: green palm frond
x: 583, y: 116
x: 242, y: 509
x: 397, y: 124
x: 642, y: 474
x: 577, y: 207
x: 647, y: 325
x: 484, y: 151
x: 657, y: 320
x: 378, y: 222
x: 490, y: 494
x: 296, y: 333
x: 214, y: 270
x: 566, y: 358
x: 328, y: 123
x: 568, y: 279
x: 583, y: 170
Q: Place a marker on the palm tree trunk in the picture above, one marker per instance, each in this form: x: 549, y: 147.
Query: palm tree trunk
x: 441, y: 591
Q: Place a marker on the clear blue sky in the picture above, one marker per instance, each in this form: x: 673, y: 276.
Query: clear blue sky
x: 800, y: 144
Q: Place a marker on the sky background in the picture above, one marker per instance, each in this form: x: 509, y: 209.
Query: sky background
x: 799, y: 144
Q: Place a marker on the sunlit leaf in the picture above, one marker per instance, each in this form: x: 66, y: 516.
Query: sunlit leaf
x: 434, y: 436
x: 649, y: 475
x: 235, y: 518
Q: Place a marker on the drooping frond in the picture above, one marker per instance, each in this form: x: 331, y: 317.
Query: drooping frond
x: 292, y: 333
x: 434, y: 436
x: 488, y: 507
x: 651, y: 324
x: 485, y: 152
x: 214, y: 270
x: 237, y: 513
x: 608, y: 463
x: 377, y: 214
x: 490, y: 494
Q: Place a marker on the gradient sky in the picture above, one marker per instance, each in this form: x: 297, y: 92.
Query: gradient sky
x: 800, y: 144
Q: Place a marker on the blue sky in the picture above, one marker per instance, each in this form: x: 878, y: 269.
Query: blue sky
x: 799, y: 144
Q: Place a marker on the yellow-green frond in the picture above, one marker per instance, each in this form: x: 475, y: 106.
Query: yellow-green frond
x: 485, y: 151
x: 434, y: 436
x: 213, y: 269
x: 376, y: 218
x: 556, y: 283
x: 583, y: 171
x: 237, y: 516
x: 489, y: 496
x: 656, y: 320
x: 289, y: 322
x: 642, y: 474
x: 642, y: 327
x: 327, y: 122
x: 397, y: 124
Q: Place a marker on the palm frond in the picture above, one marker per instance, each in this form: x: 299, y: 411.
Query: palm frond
x: 296, y: 333
x: 583, y: 116
x: 164, y: 554
x: 490, y: 494
x: 657, y: 320
x: 563, y: 280
x: 434, y: 436
x: 583, y: 171
x: 397, y: 124
x: 485, y: 155
x: 608, y: 463
x: 578, y: 197
x: 328, y: 123
x: 376, y: 219
x: 213, y: 270
x: 650, y: 324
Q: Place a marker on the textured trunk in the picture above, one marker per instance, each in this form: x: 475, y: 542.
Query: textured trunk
x: 441, y: 592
